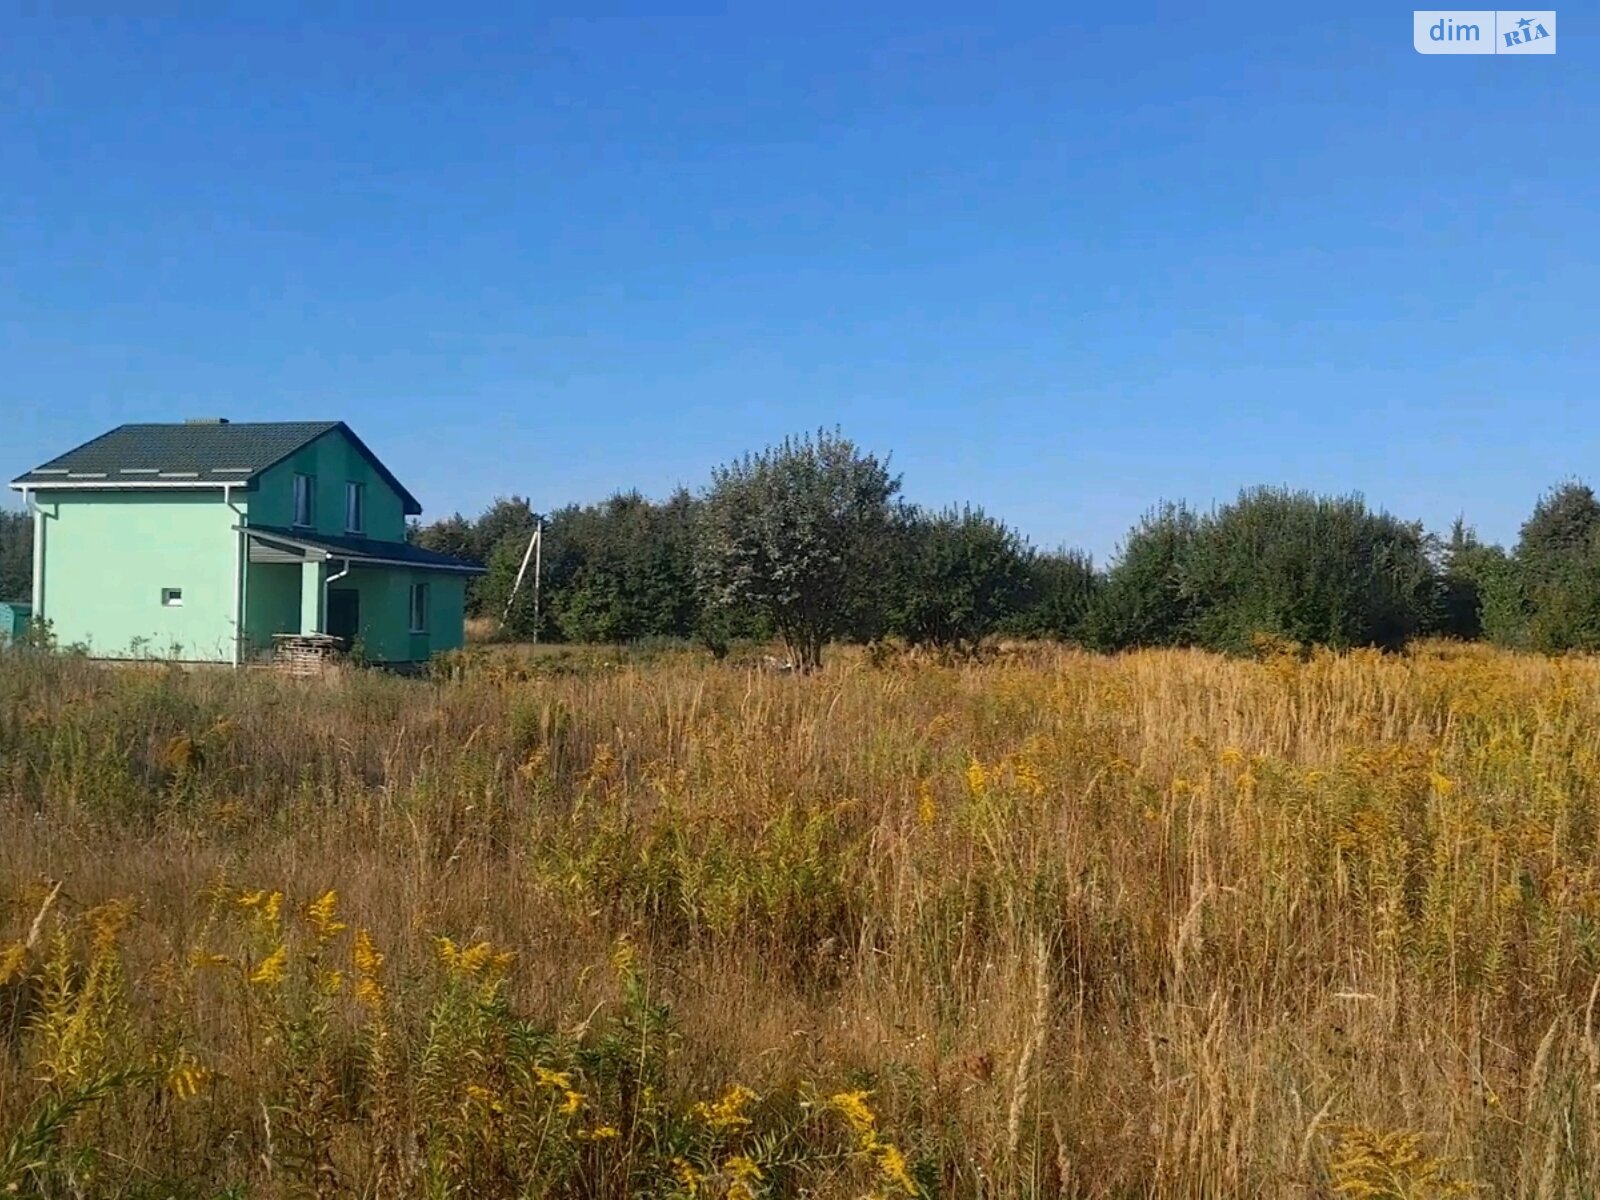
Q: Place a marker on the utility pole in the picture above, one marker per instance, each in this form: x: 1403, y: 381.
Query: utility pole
x: 535, y: 551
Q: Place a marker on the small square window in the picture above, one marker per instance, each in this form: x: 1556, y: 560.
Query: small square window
x: 171, y: 597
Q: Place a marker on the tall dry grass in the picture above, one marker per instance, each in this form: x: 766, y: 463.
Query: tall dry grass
x: 1164, y: 924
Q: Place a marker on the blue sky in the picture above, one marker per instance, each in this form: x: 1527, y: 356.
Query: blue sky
x: 1062, y: 261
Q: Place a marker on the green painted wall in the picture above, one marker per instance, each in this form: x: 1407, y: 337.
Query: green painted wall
x: 272, y: 604
x: 385, y: 592
x: 108, y: 556
x: 332, y: 460
x: 447, y: 620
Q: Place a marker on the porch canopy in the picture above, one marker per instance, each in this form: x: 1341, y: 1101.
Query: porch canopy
x: 273, y: 545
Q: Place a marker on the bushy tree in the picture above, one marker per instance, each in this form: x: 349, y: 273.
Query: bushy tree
x: 614, y: 571
x: 16, y: 555
x: 622, y: 570
x: 796, y: 533
x: 961, y: 574
x: 1561, y: 530
x: 454, y: 535
x: 1481, y: 592
x: 1062, y: 588
x: 495, y: 539
x: 1558, y: 561
x: 501, y: 539
x: 1144, y: 601
x: 1315, y: 569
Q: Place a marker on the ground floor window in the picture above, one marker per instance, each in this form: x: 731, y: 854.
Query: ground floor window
x: 419, y: 608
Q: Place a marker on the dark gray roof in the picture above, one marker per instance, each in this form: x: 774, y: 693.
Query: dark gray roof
x: 194, y: 453
x: 363, y: 548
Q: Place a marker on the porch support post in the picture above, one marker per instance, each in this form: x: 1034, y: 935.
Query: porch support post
x: 311, y: 595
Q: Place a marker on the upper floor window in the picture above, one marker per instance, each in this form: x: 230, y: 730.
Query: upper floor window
x: 304, y: 489
x: 355, y: 508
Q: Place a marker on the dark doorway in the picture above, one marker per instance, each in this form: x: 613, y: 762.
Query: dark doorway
x: 344, y: 614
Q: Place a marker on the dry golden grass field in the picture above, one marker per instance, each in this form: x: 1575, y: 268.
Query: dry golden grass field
x: 1050, y: 925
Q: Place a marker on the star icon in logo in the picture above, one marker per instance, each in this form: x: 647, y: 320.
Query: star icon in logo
x: 1525, y: 22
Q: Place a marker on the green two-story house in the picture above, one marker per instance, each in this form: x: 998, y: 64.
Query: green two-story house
x: 200, y: 541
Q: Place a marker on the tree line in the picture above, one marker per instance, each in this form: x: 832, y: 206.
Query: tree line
x: 810, y: 541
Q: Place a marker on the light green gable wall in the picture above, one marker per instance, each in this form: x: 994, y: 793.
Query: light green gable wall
x: 108, y: 555
x: 333, y: 461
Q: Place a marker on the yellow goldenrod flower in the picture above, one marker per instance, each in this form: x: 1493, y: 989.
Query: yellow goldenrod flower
x: 892, y: 1166
x: 1028, y: 778
x: 266, y: 903
x: 481, y: 1095
x: 12, y: 961
x: 474, y: 958
x: 365, y: 956
x: 853, y: 1107
x: 106, y: 921
x: 320, y: 916
x: 202, y: 959
x: 368, y: 963
x: 186, y: 1079
x: 603, y: 1133
x: 572, y: 1102
x: 272, y: 967
x: 927, y: 809
x: 561, y: 1081
x: 688, y: 1175
x: 977, y: 777
x: 728, y: 1112
x: 623, y: 956
x: 742, y: 1170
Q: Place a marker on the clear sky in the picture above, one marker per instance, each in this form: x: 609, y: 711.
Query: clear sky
x: 1062, y: 260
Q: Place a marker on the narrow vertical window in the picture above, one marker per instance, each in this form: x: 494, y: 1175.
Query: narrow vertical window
x: 419, y: 608
x: 304, y: 487
x: 355, y: 512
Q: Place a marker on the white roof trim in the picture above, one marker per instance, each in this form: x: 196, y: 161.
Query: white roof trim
x: 109, y: 485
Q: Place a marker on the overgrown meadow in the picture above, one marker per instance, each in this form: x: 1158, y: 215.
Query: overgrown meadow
x: 1053, y: 924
